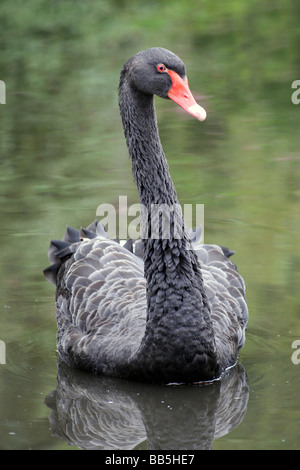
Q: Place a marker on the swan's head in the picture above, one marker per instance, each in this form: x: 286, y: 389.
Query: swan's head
x: 160, y: 72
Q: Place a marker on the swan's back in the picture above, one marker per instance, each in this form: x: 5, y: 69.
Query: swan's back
x: 101, y: 298
x: 225, y: 291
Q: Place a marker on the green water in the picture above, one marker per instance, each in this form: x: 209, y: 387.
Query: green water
x: 62, y: 153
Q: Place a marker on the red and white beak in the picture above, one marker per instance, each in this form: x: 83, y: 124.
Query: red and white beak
x: 181, y: 94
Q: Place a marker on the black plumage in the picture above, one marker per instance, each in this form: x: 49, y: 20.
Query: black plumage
x: 161, y: 310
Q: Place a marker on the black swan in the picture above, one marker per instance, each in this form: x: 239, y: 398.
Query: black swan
x: 177, y: 316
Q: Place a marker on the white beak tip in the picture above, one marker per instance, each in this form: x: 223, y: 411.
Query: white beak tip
x: 197, y: 111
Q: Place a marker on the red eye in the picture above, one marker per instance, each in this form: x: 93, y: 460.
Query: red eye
x: 161, y: 68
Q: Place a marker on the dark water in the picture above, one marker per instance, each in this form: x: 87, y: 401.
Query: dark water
x: 63, y: 154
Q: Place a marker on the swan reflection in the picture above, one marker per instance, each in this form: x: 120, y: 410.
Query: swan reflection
x: 95, y: 412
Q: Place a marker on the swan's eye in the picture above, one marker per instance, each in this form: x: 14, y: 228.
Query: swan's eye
x: 161, y: 68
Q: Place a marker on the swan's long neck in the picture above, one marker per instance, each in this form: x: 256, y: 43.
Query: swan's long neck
x: 175, y: 293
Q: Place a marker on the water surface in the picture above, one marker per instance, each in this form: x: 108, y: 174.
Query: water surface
x: 63, y: 154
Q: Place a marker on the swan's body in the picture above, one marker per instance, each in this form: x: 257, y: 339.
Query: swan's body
x: 178, y: 315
